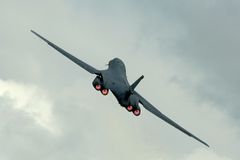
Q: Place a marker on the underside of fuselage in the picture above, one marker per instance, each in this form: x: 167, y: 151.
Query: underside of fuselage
x: 114, y: 79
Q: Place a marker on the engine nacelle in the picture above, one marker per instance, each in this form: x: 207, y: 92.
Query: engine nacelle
x: 133, y: 105
x: 133, y: 100
x: 97, y: 83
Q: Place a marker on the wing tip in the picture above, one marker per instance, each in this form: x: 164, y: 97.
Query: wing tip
x: 44, y: 39
x: 200, y: 140
x: 34, y: 32
x: 206, y: 144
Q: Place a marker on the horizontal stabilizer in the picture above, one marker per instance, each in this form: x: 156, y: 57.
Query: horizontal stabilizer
x: 134, y: 85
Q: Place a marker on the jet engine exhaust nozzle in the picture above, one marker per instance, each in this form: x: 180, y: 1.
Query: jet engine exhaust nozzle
x: 98, y: 87
x: 105, y: 91
x: 137, y: 112
x: 129, y: 108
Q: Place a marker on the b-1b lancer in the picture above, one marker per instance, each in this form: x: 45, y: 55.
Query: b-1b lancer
x: 114, y: 79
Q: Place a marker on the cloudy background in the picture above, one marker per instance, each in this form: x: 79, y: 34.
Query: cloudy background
x: 188, y: 51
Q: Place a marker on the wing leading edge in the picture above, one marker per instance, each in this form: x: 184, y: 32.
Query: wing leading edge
x: 82, y: 64
x: 159, y: 114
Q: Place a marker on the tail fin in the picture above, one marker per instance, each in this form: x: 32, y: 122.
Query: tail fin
x: 134, y: 85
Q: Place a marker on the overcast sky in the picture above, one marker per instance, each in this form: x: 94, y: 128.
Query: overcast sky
x: 188, y: 51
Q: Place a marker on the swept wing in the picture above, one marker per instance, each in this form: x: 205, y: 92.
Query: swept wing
x: 79, y: 62
x: 159, y: 114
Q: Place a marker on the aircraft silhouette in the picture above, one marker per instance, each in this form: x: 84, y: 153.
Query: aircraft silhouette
x: 114, y: 79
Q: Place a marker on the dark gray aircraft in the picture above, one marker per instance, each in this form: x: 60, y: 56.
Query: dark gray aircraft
x: 114, y: 79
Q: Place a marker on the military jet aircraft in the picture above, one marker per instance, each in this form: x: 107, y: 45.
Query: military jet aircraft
x: 114, y: 79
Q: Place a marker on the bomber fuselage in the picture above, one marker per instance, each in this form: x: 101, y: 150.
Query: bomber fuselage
x: 115, y: 78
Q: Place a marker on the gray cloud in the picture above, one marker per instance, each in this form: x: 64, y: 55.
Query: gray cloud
x: 176, y: 38
x: 204, y: 35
